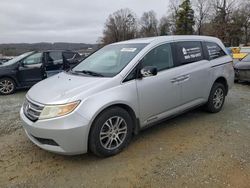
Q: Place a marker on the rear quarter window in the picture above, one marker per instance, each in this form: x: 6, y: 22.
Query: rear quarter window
x: 214, y: 50
x: 188, y: 52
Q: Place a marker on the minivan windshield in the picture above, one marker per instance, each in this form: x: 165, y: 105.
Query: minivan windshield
x: 18, y: 58
x: 109, y: 60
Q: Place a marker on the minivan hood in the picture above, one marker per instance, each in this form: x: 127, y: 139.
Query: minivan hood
x: 63, y: 88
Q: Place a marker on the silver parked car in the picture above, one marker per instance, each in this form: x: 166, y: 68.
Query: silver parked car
x: 125, y: 87
x: 242, y: 69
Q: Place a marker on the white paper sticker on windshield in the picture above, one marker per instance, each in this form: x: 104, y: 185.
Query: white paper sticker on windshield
x: 128, y: 49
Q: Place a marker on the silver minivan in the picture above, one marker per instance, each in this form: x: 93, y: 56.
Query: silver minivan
x: 125, y: 87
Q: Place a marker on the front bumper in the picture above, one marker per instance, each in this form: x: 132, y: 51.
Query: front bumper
x: 65, y: 135
x: 242, y: 75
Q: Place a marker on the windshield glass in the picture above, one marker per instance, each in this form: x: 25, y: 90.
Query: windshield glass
x: 109, y: 60
x: 18, y: 58
x: 246, y: 59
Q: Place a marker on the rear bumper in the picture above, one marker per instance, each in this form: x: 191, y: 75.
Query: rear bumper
x: 67, y: 135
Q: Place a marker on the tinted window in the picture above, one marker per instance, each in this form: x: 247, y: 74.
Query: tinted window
x: 161, y: 57
x: 54, y: 57
x: 188, y: 52
x: 33, y: 59
x: 214, y: 51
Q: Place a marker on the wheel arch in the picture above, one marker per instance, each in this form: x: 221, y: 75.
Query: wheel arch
x: 10, y: 77
x: 136, y: 123
x: 223, y: 81
x: 129, y: 109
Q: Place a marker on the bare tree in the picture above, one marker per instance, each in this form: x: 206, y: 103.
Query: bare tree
x: 245, y: 11
x: 235, y: 25
x: 149, y: 24
x: 228, y: 20
x: 173, y: 10
x: 202, y: 8
x: 221, y: 20
x: 164, y: 26
x: 121, y: 25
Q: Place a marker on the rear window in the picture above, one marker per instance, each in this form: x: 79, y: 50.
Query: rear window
x: 214, y: 50
x: 189, y: 52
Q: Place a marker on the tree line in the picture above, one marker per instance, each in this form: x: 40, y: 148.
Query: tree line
x: 228, y: 20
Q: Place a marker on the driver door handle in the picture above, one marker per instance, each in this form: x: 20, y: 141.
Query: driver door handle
x: 181, y: 78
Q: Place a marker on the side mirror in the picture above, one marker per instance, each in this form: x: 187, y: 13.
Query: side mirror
x: 148, y: 71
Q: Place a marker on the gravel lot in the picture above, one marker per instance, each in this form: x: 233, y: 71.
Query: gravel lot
x: 196, y: 149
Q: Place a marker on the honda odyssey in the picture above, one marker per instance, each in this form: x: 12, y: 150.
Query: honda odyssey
x: 123, y: 88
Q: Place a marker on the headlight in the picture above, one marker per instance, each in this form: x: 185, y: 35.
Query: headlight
x: 52, y: 111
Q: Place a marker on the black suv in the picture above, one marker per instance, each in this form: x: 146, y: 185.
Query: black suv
x: 32, y: 67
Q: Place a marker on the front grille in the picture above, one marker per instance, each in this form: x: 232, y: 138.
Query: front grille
x: 32, y: 110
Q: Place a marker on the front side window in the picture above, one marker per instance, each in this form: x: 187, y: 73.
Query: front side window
x: 214, y: 50
x: 188, y: 52
x: 33, y: 59
x: 160, y: 57
x: 132, y: 75
x: 109, y: 60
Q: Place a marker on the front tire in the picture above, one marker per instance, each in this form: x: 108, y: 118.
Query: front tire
x: 7, y: 86
x: 216, y: 98
x: 111, y: 132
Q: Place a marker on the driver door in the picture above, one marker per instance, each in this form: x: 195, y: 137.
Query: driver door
x: 159, y: 94
x: 30, y: 70
x: 53, y: 63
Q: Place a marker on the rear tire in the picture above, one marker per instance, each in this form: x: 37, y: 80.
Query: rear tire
x: 216, y: 98
x: 7, y: 86
x: 111, y: 132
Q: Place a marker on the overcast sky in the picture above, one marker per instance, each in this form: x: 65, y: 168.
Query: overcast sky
x: 64, y: 20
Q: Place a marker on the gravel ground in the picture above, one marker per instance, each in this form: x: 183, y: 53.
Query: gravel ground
x: 196, y: 149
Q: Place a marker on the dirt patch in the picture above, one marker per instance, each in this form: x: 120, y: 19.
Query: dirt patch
x: 196, y: 149
x: 9, y: 112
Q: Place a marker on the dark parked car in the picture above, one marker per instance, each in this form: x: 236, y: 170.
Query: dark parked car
x: 242, y: 69
x: 32, y: 67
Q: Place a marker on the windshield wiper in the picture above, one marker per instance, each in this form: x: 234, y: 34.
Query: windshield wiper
x: 90, y: 73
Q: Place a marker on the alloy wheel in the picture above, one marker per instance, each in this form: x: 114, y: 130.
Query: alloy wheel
x: 113, y: 133
x: 6, y: 86
x: 218, y: 98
